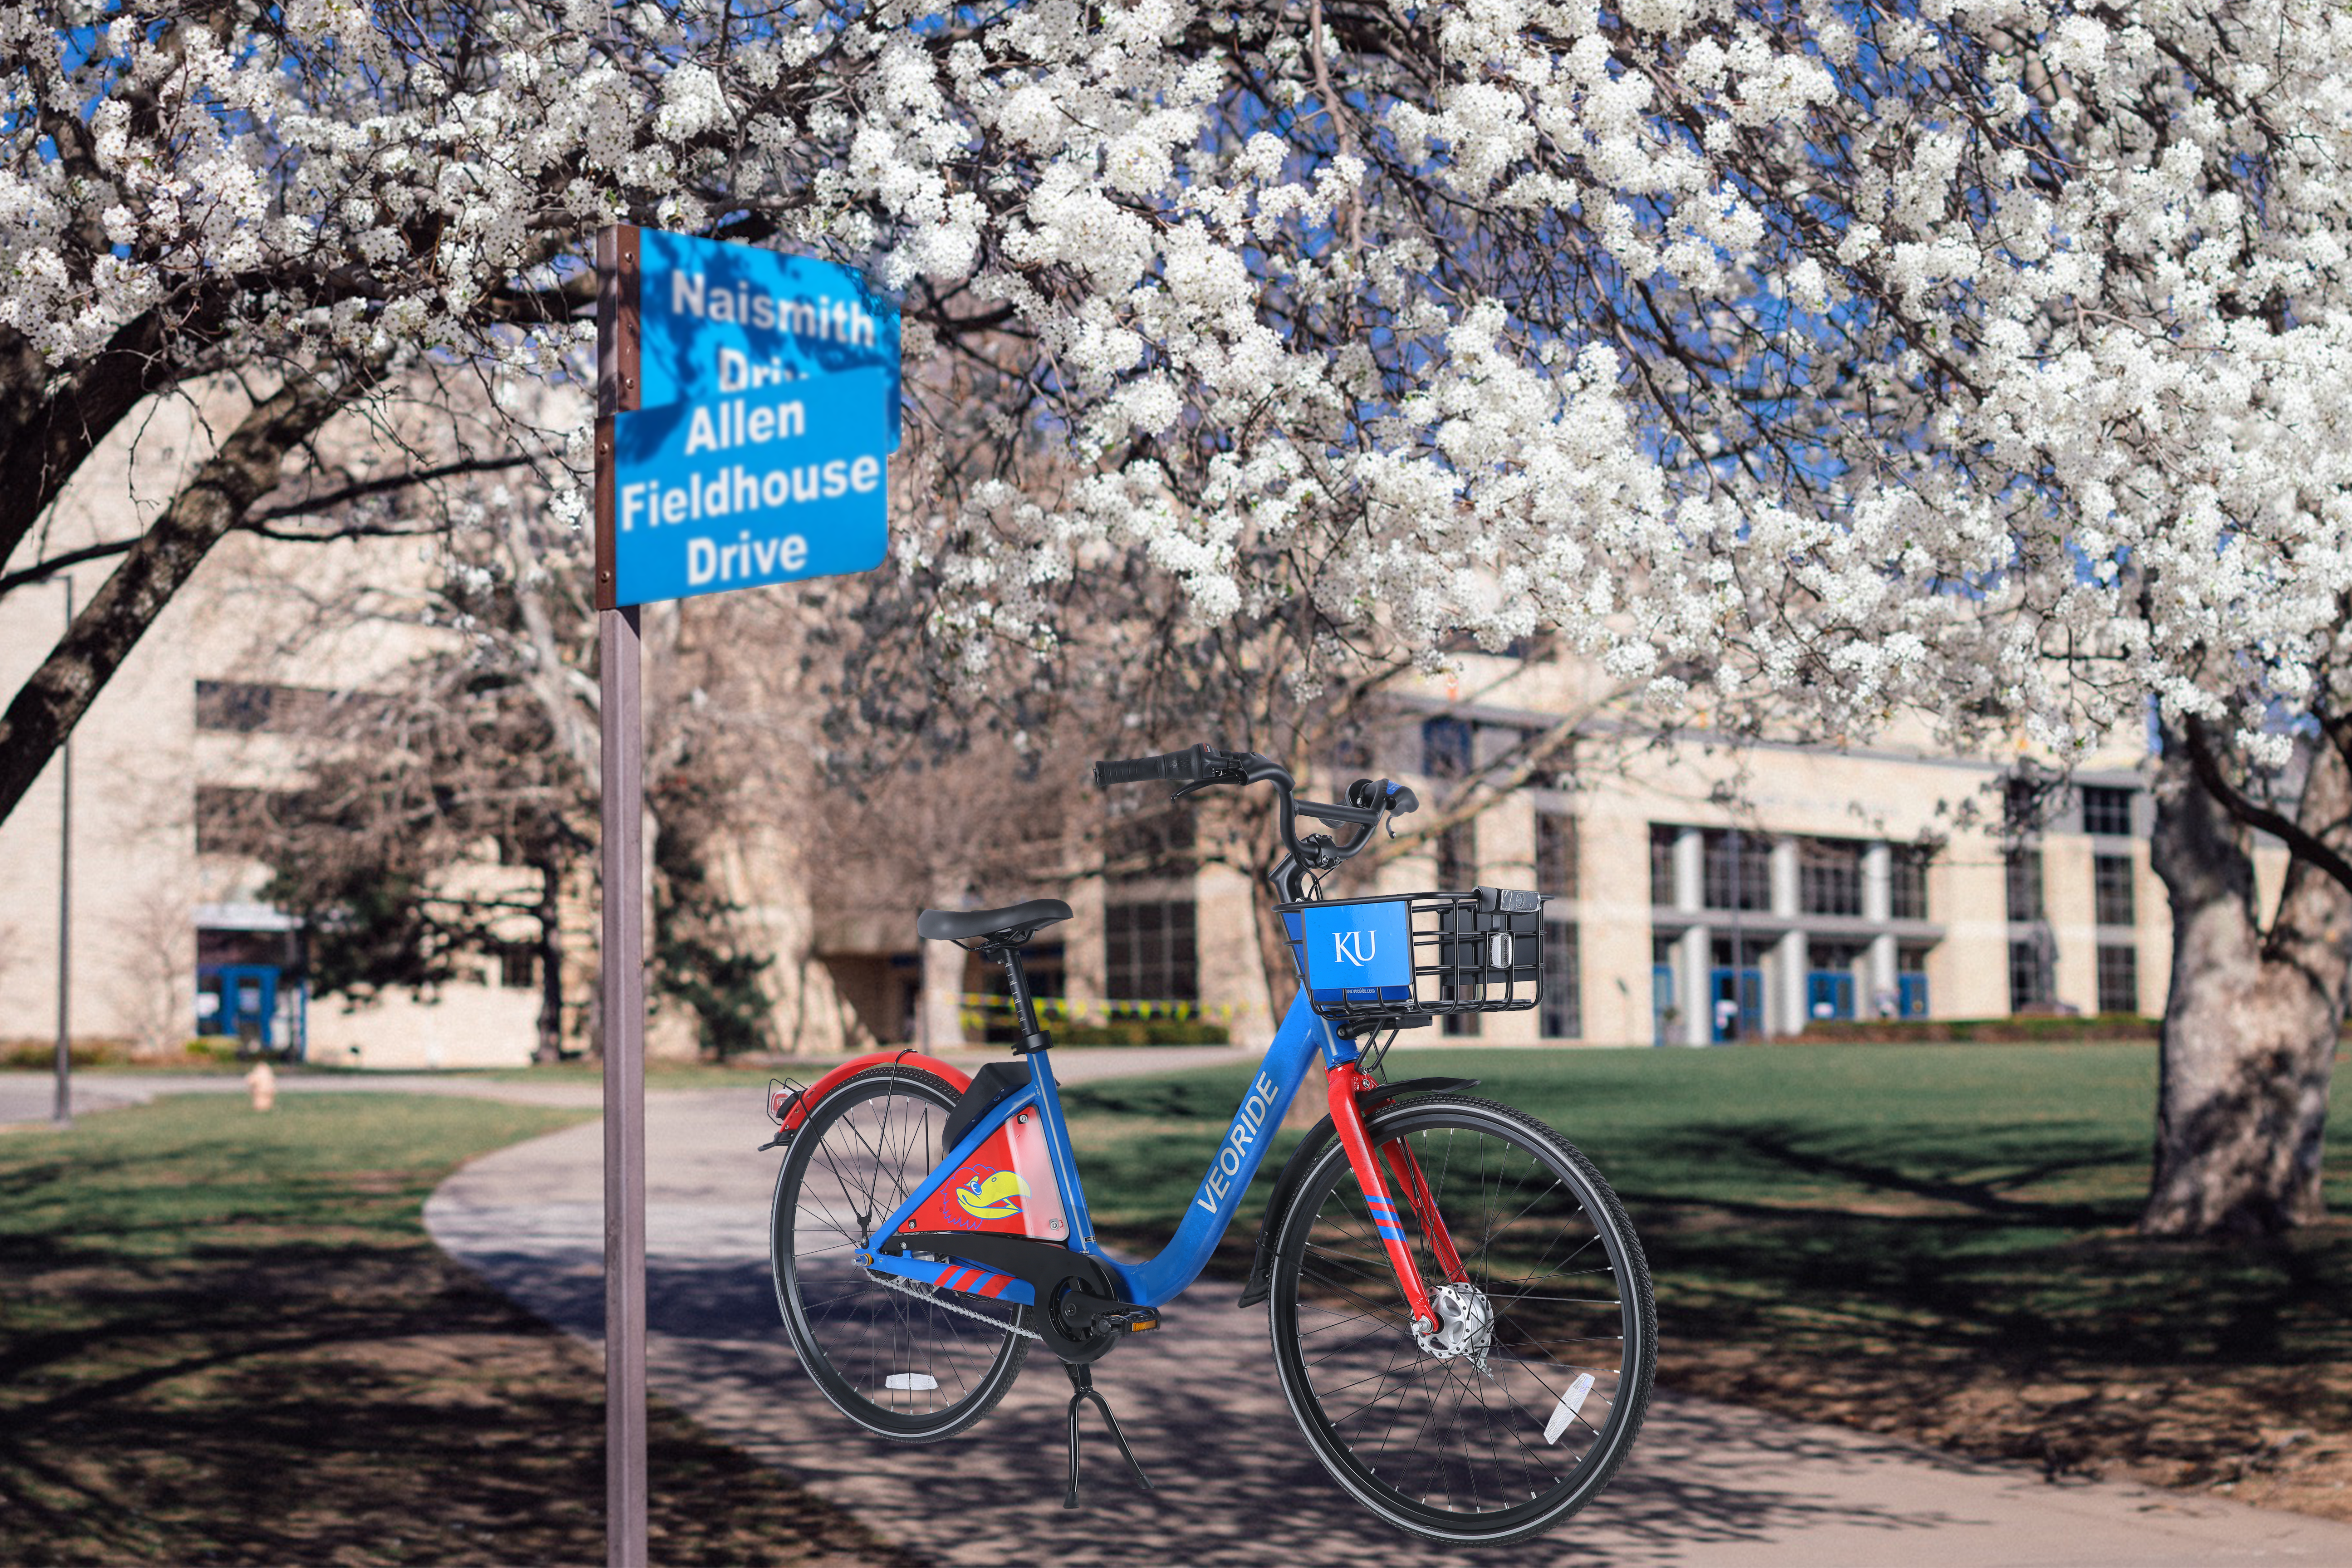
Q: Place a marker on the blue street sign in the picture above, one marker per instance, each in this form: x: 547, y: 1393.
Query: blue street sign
x: 1358, y: 953
x: 715, y: 318
x: 771, y: 485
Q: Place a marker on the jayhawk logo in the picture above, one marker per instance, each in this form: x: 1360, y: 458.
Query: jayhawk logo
x: 995, y: 1194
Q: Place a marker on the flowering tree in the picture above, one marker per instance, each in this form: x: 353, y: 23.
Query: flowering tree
x: 1806, y: 361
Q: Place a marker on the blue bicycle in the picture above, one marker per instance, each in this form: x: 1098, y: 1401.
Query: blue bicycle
x: 1462, y: 1317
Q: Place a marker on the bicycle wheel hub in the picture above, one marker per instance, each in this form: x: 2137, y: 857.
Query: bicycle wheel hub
x: 1465, y: 1325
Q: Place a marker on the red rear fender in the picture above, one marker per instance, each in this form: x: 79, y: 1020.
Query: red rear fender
x: 793, y: 1108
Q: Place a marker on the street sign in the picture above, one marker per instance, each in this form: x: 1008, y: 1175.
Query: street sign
x: 769, y: 486
x: 747, y: 404
x: 716, y: 319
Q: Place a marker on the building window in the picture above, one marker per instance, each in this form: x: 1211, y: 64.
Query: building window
x: 1457, y: 858
x: 1351, y: 753
x: 1561, y: 1011
x: 1829, y: 877
x: 2029, y: 974
x: 2026, y: 804
x: 1739, y: 870
x: 242, y: 707
x: 1555, y: 854
x: 518, y: 966
x: 1910, y: 982
x: 1150, y: 954
x: 233, y: 821
x: 1834, y: 979
x: 1662, y: 863
x: 1446, y: 748
x: 1907, y: 881
x: 2107, y: 810
x: 2023, y: 867
x: 2111, y: 889
x: 2119, y: 977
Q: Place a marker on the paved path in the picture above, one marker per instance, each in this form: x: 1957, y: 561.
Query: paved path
x: 1708, y: 1485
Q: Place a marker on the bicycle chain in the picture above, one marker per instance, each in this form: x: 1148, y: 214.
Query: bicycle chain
x: 924, y: 1293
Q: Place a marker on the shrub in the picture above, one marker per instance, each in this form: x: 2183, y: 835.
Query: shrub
x: 2017, y: 1030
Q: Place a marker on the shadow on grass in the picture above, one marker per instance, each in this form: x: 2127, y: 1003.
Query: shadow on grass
x: 226, y: 1340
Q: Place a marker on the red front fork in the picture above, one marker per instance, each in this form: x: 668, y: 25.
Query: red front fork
x: 1346, y: 1081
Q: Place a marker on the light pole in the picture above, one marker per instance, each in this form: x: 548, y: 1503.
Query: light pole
x: 62, y: 1113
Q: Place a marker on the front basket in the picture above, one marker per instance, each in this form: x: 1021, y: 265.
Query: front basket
x: 1397, y: 955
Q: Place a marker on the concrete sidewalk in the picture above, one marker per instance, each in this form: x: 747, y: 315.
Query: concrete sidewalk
x: 1707, y: 1486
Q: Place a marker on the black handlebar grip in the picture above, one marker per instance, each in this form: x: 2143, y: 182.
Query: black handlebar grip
x: 1193, y: 763
x: 1401, y: 801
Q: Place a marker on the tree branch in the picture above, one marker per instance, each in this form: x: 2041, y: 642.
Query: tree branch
x: 362, y: 489
x: 42, y: 571
x: 2300, y: 841
x: 246, y: 466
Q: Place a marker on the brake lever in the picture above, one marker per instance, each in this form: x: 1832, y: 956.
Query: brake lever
x: 1198, y: 785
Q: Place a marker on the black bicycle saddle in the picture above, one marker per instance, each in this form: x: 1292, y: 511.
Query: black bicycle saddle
x: 1010, y: 924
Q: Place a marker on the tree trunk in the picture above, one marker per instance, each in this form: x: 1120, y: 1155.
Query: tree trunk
x: 2250, y: 1027
x: 550, y: 965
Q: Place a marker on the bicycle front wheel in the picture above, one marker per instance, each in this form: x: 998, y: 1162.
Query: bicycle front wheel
x: 908, y: 1361
x: 1518, y: 1412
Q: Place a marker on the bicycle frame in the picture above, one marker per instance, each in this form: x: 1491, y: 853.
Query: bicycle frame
x: 1302, y: 1037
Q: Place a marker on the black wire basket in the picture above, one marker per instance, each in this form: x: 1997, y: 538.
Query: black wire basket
x: 1479, y: 952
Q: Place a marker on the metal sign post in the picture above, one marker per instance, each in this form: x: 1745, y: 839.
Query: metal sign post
x: 760, y: 456
x: 620, y: 719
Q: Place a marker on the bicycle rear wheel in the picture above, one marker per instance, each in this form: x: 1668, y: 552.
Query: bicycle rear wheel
x: 904, y: 1360
x: 1521, y: 1417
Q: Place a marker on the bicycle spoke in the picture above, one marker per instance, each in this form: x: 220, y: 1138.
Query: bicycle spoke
x: 880, y: 1352
x: 1455, y: 1442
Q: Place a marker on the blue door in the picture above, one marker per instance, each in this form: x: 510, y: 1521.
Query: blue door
x: 1911, y: 996
x: 1739, y: 1002
x: 1829, y: 993
x: 1662, y: 1004
x: 249, y: 1004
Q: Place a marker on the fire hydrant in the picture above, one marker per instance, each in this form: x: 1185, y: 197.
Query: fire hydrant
x: 263, y: 1085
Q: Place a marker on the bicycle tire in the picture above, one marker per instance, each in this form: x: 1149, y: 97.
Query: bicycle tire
x: 1340, y: 1326
x: 871, y: 1348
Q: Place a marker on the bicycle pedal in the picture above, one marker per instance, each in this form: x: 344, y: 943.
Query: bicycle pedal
x: 1141, y: 1321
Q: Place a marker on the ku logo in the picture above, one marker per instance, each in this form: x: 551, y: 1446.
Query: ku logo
x: 995, y: 1196
x: 1355, y: 947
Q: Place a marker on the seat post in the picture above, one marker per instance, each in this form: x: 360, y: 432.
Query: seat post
x: 1016, y: 974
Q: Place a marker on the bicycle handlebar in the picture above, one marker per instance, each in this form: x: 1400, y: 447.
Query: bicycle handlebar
x: 1198, y: 767
x: 1192, y: 762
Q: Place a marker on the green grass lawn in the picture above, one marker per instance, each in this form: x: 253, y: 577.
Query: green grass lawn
x: 1929, y: 1239
x: 225, y: 1338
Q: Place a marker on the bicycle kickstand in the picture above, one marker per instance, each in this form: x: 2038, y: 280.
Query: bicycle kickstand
x: 1082, y: 1383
